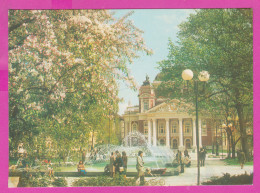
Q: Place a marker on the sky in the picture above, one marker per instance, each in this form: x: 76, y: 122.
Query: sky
x: 158, y: 25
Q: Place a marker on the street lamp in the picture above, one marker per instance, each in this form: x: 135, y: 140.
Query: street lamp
x: 203, y: 77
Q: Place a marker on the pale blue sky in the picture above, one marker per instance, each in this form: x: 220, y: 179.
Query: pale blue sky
x: 158, y: 25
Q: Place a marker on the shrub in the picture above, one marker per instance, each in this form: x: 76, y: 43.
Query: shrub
x: 28, y: 180
x: 60, y: 182
x: 118, y: 180
x: 226, y: 179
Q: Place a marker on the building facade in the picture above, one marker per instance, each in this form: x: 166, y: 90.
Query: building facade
x: 167, y: 122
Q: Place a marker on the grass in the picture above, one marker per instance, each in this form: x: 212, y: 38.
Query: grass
x: 231, y: 161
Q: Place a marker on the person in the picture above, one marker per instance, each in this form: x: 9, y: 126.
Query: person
x: 25, y: 161
x: 20, y: 161
x: 202, y: 156
x: 36, y: 162
x: 242, y: 159
x: 124, y: 158
x: 50, y: 169
x: 112, y: 164
x: 118, y: 163
x: 179, y: 157
x: 140, y: 168
x: 187, y: 161
x: 186, y: 153
x: 81, y: 168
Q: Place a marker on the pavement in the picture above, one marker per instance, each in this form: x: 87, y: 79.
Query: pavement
x: 213, y: 168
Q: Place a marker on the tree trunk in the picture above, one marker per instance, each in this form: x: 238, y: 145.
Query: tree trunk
x: 93, y: 139
x: 233, y: 146
x: 229, y: 145
x: 244, y: 143
x: 217, y: 153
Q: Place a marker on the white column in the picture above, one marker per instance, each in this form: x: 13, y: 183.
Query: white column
x: 194, y: 132
x: 180, y: 133
x: 154, y: 133
x: 142, y: 105
x: 125, y: 128
x: 200, y: 138
x: 167, y: 133
x: 149, y: 132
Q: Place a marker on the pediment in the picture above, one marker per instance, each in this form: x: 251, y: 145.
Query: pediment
x: 171, y: 106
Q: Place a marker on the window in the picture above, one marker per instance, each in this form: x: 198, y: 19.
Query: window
x: 187, y: 126
x: 204, y: 127
x: 146, y: 105
x: 145, y: 127
x: 134, y: 127
x: 174, y: 126
x: 161, y: 128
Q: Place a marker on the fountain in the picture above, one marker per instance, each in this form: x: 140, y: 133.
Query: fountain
x: 154, y: 156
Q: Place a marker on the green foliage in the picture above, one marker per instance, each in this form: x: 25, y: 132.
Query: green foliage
x: 219, y: 41
x: 60, y: 182
x: 118, y: 180
x: 226, y: 179
x: 28, y: 180
x: 63, y: 72
x: 38, y: 180
x: 235, y: 162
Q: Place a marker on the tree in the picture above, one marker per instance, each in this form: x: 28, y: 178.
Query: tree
x: 219, y: 41
x: 63, y: 68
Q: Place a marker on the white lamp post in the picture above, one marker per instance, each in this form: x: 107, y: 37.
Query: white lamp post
x: 203, y: 77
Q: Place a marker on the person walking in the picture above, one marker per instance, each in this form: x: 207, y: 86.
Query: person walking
x: 201, y: 156
x: 124, y: 158
x: 112, y: 164
x: 242, y: 159
x: 140, y: 168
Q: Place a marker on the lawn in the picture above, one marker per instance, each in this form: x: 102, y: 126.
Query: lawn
x: 235, y: 162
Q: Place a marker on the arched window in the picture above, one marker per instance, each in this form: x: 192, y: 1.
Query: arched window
x: 175, y: 144
x: 188, y: 143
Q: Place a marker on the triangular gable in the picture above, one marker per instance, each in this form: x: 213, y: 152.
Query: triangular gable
x: 172, y: 106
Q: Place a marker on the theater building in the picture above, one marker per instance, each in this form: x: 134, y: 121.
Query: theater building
x: 167, y: 123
